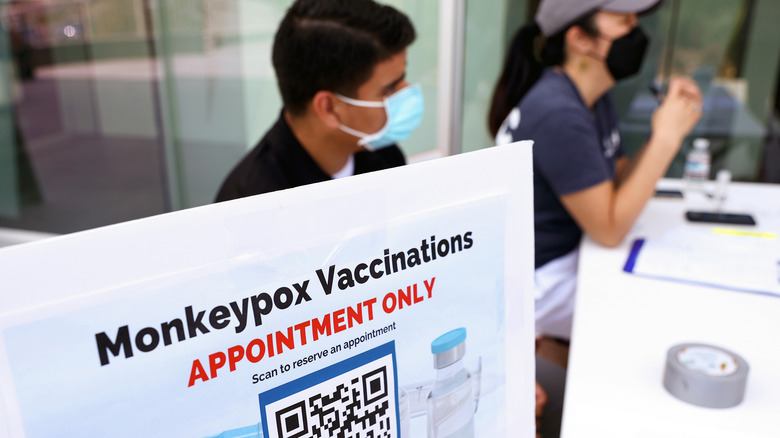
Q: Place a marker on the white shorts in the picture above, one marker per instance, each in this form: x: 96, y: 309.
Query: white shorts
x: 555, y: 284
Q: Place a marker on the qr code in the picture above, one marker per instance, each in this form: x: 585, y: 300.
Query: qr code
x: 355, y: 398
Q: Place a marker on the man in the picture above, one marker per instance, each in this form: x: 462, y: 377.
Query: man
x: 340, y: 66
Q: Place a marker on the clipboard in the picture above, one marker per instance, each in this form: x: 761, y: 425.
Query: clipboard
x: 720, y: 258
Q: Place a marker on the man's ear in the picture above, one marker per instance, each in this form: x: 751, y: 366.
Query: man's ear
x: 323, y: 104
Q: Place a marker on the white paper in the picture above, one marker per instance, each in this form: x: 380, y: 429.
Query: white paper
x: 746, y: 260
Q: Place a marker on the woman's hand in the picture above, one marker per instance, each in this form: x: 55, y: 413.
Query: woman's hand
x: 678, y: 113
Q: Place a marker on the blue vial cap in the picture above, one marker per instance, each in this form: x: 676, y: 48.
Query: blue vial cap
x: 448, y: 340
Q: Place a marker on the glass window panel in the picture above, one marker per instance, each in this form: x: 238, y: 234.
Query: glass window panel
x: 88, y: 144
x: 488, y: 25
x: 730, y: 48
x: 112, y: 110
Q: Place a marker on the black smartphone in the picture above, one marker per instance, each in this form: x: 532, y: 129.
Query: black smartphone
x: 662, y: 193
x: 720, y: 218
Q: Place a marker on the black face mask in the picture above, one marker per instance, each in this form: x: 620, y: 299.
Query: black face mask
x: 626, y: 54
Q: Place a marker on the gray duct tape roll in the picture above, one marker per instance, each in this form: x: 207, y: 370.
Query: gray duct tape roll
x: 705, y: 375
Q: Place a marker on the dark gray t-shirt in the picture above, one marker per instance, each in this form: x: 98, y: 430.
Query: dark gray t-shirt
x: 575, y: 147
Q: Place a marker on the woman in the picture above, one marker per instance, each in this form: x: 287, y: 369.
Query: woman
x: 559, y: 99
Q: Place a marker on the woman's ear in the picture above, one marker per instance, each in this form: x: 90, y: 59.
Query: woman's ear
x: 578, y: 41
x: 324, y: 105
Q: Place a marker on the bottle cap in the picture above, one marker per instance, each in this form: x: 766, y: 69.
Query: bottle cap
x: 723, y: 176
x: 449, y: 348
x: 701, y: 143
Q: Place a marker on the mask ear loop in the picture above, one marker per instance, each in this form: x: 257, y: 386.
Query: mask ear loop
x: 362, y: 103
x: 359, y: 134
x: 363, y: 137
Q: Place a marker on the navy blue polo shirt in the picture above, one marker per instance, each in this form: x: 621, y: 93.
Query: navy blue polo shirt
x: 575, y: 147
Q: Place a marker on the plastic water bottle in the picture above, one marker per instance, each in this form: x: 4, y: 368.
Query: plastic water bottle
x: 697, y: 165
x: 451, y: 401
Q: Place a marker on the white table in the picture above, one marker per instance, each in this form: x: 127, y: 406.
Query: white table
x: 624, y: 325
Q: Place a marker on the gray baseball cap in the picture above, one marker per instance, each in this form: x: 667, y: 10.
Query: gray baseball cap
x: 555, y: 15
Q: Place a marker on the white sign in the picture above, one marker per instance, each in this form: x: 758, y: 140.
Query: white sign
x: 297, y: 313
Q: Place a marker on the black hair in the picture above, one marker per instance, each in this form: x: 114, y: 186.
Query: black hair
x: 522, y: 65
x: 334, y: 45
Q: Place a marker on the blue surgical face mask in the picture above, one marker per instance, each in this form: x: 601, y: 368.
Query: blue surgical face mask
x: 404, y: 110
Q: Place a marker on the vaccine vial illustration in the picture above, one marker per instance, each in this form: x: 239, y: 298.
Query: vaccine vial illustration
x: 450, y: 404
